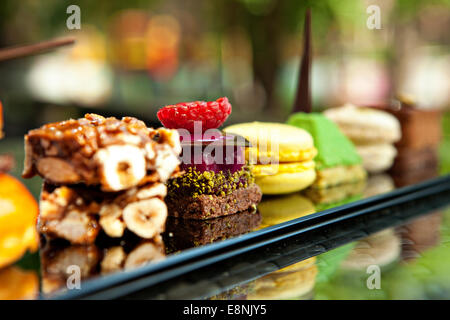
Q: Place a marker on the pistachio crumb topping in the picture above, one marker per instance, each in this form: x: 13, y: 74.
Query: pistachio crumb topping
x: 195, y: 183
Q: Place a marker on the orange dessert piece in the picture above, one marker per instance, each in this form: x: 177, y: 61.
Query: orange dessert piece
x: 18, y: 214
x: 18, y: 284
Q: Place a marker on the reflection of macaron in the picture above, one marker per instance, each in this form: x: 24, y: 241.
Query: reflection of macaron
x: 378, y: 184
x: 236, y: 293
x: 337, y: 161
x: 293, y: 282
x: 275, y: 210
x: 381, y: 249
x: 337, y: 195
x: 373, y: 131
x: 282, y: 155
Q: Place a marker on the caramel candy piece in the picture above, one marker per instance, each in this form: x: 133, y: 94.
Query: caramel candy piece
x: 77, y: 213
x: 115, y: 154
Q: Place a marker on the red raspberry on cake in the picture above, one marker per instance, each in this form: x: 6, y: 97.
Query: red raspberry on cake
x: 211, y: 114
x: 214, y: 182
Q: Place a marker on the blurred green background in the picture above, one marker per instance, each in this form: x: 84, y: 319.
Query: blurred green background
x: 132, y: 57
x: 421, y: 276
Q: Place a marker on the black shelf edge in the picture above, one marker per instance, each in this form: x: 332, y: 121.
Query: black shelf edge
x: 129, y: 283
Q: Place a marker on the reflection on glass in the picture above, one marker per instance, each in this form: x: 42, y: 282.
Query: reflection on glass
x: 278, y: 209
x: 329, y: 262
x: 413, y: 261
x: 18, y: 284
x: 420, y: 235
x: 337, y: 195
x: 61, y: 262
x: 293, y: 282
x: 381, y: 249
x: 186, y: 233
x: 378, y: 184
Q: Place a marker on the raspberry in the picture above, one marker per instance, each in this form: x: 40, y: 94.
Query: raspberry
x: 182, y: 115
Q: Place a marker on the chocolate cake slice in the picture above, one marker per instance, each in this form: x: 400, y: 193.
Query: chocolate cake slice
x: 214, y: 181
x: 205, y: 195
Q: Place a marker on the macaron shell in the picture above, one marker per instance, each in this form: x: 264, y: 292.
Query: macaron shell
x: 377, y: 157
x: 282, y: 183
x: 288, y: 167
x: 254, y: 155
x: 365, y: 125
x: 276, y: 138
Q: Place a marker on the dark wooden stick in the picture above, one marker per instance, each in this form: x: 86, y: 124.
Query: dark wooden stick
x: 27, y: 50
x: 303, y: 94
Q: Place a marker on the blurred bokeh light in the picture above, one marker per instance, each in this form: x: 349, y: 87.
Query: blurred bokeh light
x: 133, y: 57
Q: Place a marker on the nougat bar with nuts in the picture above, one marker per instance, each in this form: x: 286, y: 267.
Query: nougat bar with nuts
x: 105, y: 257
x: 94, y: 150
x: 78, y: 213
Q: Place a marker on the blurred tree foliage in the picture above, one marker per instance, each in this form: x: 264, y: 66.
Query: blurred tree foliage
x: 269, y: 24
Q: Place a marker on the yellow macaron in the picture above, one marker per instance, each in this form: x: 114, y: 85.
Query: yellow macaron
x: 282, y: 155
x: 293, y: 282
x: 279, y: 209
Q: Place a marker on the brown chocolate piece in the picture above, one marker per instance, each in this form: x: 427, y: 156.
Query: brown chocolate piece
x: 420, y: 235
x: 181, y: 233
x: 117, y: 154
x: 411, y: 177
x: 417, y: 150
x: 409, y: 159
x: 207, y: 206
x: 420, y: 128
x: 78, y: 213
